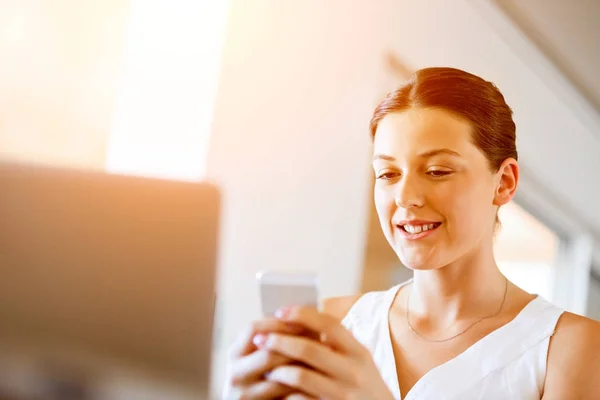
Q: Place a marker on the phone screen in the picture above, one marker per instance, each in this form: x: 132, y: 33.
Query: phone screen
x: 286, y: 289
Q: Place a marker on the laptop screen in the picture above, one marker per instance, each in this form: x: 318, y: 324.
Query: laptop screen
x: 106, y: 284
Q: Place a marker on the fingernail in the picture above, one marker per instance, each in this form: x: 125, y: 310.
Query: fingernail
x: 259, y: 340
x: 283, y: 312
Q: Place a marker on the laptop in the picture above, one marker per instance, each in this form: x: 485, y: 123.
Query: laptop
x: 107, y: 285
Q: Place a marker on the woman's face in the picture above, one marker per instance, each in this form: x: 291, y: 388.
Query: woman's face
x: 435, y: 194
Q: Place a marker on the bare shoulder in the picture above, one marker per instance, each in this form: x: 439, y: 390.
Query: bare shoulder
x: 339, y: 306
x: 574, y: 359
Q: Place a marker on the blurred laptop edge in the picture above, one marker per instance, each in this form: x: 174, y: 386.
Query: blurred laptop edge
x: 107, y: 285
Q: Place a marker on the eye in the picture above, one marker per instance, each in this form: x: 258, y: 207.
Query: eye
x: 386, y: 176
x: 438, y: 173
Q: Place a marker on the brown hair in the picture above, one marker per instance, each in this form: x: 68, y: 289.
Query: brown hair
x: 465, y: 95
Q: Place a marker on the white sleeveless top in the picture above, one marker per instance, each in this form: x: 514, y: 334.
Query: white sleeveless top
x: 509, y: 363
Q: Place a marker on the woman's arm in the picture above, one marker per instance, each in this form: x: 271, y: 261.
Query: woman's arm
x: 574, y: 360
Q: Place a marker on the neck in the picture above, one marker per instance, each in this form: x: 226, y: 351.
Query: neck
x: 466, y: 289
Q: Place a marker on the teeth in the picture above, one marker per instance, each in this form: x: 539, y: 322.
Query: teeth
x: 414, y: 229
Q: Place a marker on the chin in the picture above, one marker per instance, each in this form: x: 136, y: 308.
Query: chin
x: 421, y: 266
x: 418, y: 262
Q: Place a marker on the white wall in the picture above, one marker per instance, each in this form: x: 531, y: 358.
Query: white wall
x: 290, y: 146
x: 59, y: 65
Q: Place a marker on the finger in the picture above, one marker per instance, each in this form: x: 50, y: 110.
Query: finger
x: 334, y: 334
x: 310, y: 382
x: 299, y: 396
x: 265, y: 390
x: 310, y: 352
x: 243, y: 344
x: 252, y: 367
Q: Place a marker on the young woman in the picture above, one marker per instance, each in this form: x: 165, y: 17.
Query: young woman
x: 444, y: 160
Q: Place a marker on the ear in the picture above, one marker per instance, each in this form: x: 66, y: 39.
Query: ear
x: 508, y: 180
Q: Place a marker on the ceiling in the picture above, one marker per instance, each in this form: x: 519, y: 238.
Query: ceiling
x: 568, y: 34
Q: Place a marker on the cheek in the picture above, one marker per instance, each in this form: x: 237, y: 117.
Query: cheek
x: 467, y: 209
x: 384, y: 205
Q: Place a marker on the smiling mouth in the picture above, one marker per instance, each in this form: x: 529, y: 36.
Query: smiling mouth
x: 417, y: 229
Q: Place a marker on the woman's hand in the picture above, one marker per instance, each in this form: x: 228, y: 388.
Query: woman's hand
x: 342, y: 367
x: 247, y: 365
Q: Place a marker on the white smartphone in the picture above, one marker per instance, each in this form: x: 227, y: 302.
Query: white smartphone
x: 283, y: 289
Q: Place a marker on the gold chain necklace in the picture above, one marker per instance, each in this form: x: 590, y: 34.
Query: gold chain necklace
x: 460, y: 333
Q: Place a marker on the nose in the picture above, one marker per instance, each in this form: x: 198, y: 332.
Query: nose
x: 408, y: 193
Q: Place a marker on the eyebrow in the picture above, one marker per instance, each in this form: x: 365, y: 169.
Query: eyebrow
x: 426, y: 154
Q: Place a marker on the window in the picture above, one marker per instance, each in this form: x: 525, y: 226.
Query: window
x: 526, y: 250
x: 593, y: 306
x: 168, y: 88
